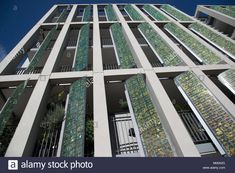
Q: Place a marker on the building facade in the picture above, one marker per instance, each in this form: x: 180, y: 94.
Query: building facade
x: 121, y: 80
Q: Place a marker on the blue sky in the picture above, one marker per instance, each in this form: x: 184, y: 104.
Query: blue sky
x: 17, y: 17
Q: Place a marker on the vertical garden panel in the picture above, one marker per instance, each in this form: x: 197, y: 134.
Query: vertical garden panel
x: 226, y: 11
x: 153, y: 136
x: 154, y: 13
x: 219, y: 121
x: 38, y: 55
x: 87, y: 14
x: 74, y: 131
x: 9, y: 106
x: 111, y: 16
x: 201, y: 52
x: 82, y: 50
x: 122, y: 48
x: 134, y: 15
x: 215, y: 38
x: 166, y: 54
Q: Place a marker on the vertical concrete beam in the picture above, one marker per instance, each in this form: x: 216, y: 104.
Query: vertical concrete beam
x: 177, y: 132
x: 97, y: 54
x: 102, y: 144
x: 19, y: 141
x: 197, y: 12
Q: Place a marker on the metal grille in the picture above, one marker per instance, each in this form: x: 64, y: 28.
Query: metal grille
x: 194, y: 127
x: 126, y: 142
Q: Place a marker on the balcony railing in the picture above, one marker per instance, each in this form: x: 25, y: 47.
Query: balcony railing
x: 199, y: 50
x: 35, y: 71
x: 165, y: 53
x: 110, y: 66
x: 209, y: 111
x: 152, y: 133
x: 126, y: 142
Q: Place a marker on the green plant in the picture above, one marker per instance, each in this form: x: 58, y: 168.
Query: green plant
x: 54, y: 117
x: 123, y: 104
x: 89, y: 131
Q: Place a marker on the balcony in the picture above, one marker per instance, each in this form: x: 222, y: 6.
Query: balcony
x: 13, y: 100
x: 218, y: 123
x: 66, y: 121
x: 59, y: 15
x: 199, y: 50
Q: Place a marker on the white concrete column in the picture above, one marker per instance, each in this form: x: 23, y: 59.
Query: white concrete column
x: 102, y: 144
x: 172, y: 122
x: 97, y: 54
x: 23, y: 131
